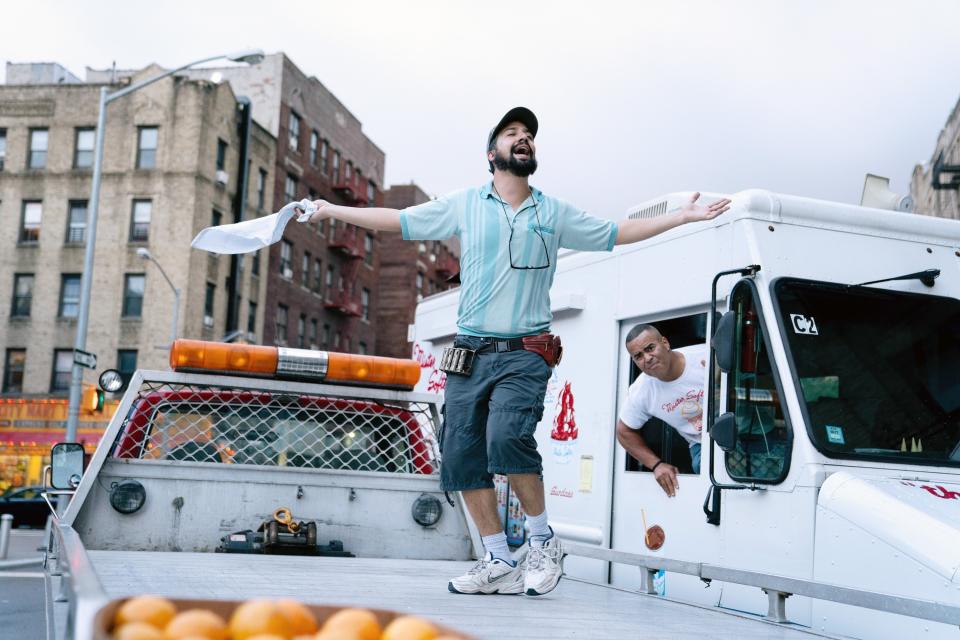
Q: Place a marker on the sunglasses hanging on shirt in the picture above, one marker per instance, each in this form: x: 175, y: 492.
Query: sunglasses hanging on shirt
x: 546, y: 253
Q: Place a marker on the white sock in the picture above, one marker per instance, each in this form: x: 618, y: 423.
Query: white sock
x: 497, y: 546
x: 539, y: 526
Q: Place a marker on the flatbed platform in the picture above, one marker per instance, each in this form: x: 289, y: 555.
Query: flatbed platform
x: 576, y: 609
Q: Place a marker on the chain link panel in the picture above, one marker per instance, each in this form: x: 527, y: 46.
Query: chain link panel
x: 224, y: 425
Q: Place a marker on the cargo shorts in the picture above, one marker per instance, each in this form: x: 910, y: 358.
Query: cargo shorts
x: 490, y: 417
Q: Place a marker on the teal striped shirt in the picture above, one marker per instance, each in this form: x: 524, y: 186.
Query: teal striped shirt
x: 495, y: 299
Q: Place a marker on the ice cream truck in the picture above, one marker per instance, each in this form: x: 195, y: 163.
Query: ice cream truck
x: 830, y: 474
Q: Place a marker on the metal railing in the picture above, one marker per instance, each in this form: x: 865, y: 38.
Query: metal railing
x: 778, y: 588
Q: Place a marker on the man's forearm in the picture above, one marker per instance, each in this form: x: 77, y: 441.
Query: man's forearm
x: 629, y: 231
x: 636, y: 446
x: 378, y: 218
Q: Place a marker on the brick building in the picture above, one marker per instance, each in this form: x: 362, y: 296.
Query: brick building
x: 935, y: 187
x: 322, y: 287
x: 170, y: 168
x: 408, y: 272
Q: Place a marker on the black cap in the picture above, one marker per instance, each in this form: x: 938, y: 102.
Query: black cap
x: 517, y: 114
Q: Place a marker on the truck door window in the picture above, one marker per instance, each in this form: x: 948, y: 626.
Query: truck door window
x: 877, y: 370
x: 753, y: 395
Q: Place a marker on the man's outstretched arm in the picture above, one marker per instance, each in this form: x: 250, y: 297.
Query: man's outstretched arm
x: 377, y: 218
x: 629, y: 231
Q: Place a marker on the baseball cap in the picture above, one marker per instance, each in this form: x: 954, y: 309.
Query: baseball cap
x: 517, y: 114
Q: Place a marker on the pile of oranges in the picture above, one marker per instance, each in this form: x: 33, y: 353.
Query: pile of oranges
x: 156, y: 618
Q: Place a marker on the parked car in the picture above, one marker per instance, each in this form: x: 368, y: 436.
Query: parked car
x: 26, y: 505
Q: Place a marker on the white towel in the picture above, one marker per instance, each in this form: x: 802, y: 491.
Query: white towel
x: 250, y: 235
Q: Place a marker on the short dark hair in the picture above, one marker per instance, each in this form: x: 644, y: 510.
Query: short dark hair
x: 492, y: 146
x: 637, y: 330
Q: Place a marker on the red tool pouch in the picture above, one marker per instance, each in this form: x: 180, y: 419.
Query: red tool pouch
x: 546, y: 345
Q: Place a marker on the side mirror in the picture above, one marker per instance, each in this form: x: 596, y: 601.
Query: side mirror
x: 724, y: 341
x: 66, y: 461
x: 724, y: 432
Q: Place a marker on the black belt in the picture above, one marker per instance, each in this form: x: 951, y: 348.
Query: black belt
x: 500, y: 345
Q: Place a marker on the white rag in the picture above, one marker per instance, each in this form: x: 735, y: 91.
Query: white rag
x: 250, y: 235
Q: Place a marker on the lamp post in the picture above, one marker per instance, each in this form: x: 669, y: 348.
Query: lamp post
x: 250, y: 56
x: 144, y: 253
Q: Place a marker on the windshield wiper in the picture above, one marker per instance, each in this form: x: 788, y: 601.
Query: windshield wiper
x: 926, y: 277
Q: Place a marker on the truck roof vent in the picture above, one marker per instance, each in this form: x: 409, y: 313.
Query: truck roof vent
x: 650, y: 211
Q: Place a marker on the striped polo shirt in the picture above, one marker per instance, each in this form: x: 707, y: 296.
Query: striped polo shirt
x: 496, y: 299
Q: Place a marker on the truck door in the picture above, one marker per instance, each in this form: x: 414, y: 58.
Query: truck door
x: 638, y: 499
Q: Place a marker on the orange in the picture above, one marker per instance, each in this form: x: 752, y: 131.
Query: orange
x: 268, y: 636
x: 196, y: 622
x: 153, y: 610
x: 361, y: 623
x: 138, y: 631
x: 410, y: 628
x: 302, y: 620
x: 259, y: 617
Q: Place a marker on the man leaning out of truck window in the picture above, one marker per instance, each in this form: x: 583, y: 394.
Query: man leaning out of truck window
x: 509, y: 234
x: 669, y: 387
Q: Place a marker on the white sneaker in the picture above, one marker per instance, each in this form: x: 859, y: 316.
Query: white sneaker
x: 544, y: 565
x: 489, y: 575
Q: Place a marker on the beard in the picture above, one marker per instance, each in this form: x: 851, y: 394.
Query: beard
x: 519, y: 168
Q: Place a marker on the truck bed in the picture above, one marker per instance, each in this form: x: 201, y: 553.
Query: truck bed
x: 576, y: 609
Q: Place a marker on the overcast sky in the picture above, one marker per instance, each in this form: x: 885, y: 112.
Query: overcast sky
x: 635, y: 99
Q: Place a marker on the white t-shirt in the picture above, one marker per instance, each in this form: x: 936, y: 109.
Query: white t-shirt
x: 678, y: 403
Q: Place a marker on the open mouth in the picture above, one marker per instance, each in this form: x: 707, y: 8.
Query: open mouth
x: 522, y: 151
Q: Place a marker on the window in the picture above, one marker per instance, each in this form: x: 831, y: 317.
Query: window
x: 329, y: 283
x: 13, y: 367
x: 221, y: 155
x: 38, y: 149
x: 30, y: 222
x: 419, y: 282
x: 326, y: 335
x: 368, y: 249
x: 76, y: 221
x: 763, y: 436
x: 305, y: 270
x: 261, y: 188
x: 209, y: 299
x: 126, y: 363
x: 336, y: 167
x: 216, y: 218
x: 301, y: 331
x: 371, y: 193
x: 3, y: 148
x: 255, y: 264
x: 146, y: 147
x: 348, y: 172
x: 324, y: 156
x: 133, y: 287
x: 365, y: 303
x: 336, y: 340
x: 22, y: 295
x: 251, y: 317
x: 317, y: 276
x: 362, y: 348
x: 286, y: 259
x: 69, y: 295
x: 314, y: 139
x: 281, y: 324
x: 83, y: 148
x: 312, y: 337
x: 293, y: 131
x: 140, y: 220
x: 290, y: 188
x: 62, y: 370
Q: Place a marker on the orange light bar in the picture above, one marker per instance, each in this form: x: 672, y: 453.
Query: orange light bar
x: 222, y: 356
x: 356, y: 369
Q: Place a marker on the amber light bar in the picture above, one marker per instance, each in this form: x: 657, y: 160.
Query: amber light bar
x: 300, y: 364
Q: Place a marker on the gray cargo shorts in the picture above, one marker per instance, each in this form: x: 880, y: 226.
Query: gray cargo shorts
x: 490, y: 417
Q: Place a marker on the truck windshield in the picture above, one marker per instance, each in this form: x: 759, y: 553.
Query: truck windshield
x: 877, y: 370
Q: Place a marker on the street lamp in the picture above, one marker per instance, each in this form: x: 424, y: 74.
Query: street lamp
x: 248, y: 56
x: 144, y: 253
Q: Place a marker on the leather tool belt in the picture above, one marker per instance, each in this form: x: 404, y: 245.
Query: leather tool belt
x: 546, y: 345
x: 459, y: 361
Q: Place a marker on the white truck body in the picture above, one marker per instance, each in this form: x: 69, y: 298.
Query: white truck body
x: 870, y: 521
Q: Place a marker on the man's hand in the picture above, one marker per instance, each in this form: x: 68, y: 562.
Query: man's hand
x: 693, y: 212
x: 322, y: 212
x: 666, y: 476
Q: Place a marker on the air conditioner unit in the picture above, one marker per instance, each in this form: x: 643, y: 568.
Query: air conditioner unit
x: 222, y: 177
x: 288, y: 273
x: 207, y: 321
